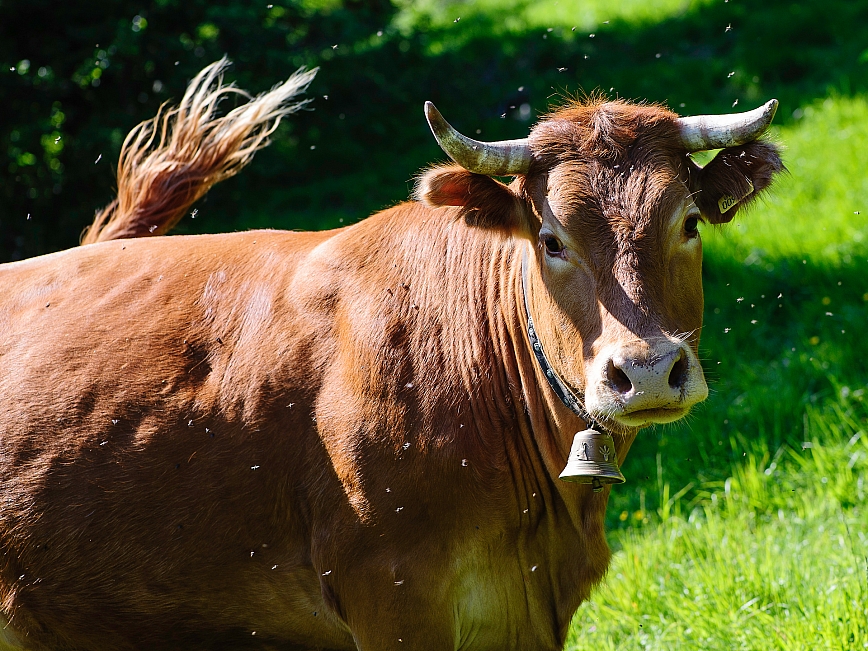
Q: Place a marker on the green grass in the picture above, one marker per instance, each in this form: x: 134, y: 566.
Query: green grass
x: 819, y: 211
x: 747, y: 527
x: 774, y: 558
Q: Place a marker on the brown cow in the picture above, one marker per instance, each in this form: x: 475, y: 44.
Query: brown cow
x: 342, y: 440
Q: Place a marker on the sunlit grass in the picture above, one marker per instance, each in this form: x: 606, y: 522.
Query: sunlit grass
x: 523, y: 15
x: 774, y: 558
x: 819, y: 211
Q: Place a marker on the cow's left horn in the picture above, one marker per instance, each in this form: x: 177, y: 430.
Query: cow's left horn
x: 702, y: 132
x: 502, y: 158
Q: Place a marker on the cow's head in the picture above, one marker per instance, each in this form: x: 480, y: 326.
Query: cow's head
x: 611, y: 199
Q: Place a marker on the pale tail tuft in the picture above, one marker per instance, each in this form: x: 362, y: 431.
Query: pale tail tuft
x: 170, y: 161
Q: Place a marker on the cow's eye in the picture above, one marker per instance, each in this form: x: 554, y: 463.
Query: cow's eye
x: 553, y: 245
x: 691, y: 226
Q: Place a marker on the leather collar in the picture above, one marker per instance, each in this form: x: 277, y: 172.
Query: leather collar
x: 557, y: 385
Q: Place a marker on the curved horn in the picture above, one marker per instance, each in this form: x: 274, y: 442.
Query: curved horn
x: 702, y: 132
x: 502, y: 158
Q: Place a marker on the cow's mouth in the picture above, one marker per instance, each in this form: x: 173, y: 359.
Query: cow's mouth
x: 657, y: 415
x: 638, y: 418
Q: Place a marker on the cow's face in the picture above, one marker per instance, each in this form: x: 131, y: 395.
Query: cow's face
x: 620, y: 256
x: 612, y: 204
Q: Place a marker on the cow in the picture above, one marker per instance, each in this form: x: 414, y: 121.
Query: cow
x: 345, y: 439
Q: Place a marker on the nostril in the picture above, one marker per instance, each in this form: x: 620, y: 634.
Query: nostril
x: 678, y: 374
x: 617, y: 378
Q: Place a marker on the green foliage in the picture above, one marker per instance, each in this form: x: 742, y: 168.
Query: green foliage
x: 517, y: 16
x: 491, y: 66
x: 76, y: 77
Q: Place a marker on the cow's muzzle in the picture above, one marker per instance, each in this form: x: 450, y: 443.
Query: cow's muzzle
x: 644, y: 382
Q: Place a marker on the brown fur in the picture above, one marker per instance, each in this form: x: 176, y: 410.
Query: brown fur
x: 727, y: 173
x: 335, y: 440
x: 482, y: 200
x: 169, y: 162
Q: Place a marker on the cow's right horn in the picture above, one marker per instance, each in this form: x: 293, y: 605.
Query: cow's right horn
x: 703, y: 132
x: 502, y: 158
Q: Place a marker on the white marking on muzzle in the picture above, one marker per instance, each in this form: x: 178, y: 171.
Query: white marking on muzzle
x: 645, y: 382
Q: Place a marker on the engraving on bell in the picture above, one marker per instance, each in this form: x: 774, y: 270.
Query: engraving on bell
x: 592, y: 460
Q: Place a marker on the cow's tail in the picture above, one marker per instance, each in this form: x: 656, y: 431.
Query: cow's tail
x: 170, y: 161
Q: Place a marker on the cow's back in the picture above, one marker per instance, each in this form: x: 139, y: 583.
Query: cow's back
x: 139, y: 479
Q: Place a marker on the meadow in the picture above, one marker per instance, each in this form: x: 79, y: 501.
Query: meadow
x: 744, y: 527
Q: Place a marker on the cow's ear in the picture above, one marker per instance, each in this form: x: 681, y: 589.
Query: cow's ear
x: 733, y: 179
x: 483, y: 201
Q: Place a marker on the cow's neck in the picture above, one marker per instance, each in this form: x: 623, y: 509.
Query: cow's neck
x: 551, y: 424
x: 560, y: 522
